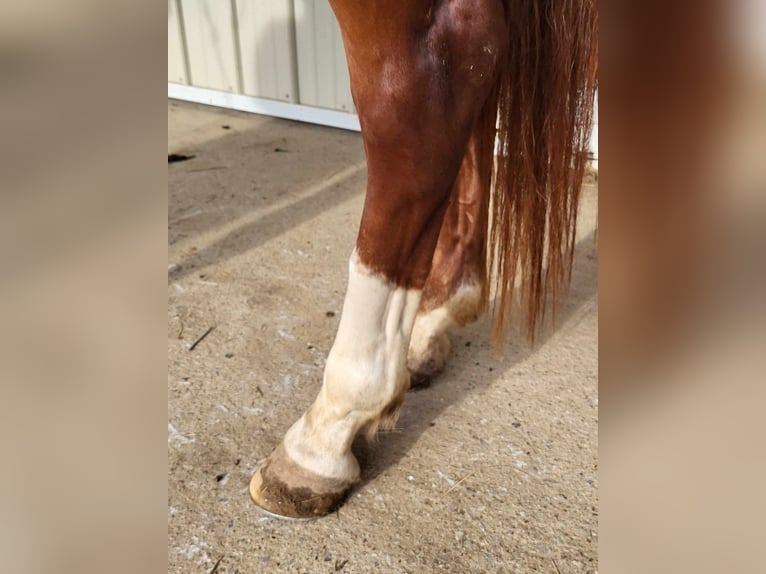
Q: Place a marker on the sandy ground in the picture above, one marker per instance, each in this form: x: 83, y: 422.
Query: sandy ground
x: 491, y: 469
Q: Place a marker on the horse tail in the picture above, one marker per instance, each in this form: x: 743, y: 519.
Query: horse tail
x: 544, y: 108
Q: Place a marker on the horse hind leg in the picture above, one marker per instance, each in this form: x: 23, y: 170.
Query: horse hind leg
x: 309, y: 474
x: 414, y: 157
x: 366, y: 373
x: 455, y: 293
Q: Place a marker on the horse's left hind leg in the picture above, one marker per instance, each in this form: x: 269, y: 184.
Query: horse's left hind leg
x: 420, y: 79
x: 455, y: 292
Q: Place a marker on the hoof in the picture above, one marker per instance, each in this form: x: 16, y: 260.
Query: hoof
x: 285, y: 490
x: 426, y: 362
x: 419, y: 381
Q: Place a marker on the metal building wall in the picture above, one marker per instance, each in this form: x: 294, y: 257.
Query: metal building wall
x: 278, y: 57
x: 322, y: 68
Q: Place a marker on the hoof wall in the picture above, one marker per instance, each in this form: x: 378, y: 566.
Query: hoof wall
x: 256, y: 494
x: 419, y: 381
x: 282, y: 489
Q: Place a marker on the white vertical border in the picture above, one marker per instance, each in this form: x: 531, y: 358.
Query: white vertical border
x: 594, y: 133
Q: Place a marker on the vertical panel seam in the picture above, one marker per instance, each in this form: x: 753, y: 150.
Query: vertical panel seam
x: 272, y: 38
x: 184, y: 46
x: 293, y: 56
x: 333, y: 35
x: 317, y: 93
x: 237, y: 47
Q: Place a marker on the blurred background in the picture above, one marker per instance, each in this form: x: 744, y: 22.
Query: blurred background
x: 681, y: 278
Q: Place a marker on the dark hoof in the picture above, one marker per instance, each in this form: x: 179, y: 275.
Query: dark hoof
x: 286, y: 490
x: 419, y: 381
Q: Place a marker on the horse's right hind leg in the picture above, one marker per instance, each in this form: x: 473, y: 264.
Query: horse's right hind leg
x: 455, y: 292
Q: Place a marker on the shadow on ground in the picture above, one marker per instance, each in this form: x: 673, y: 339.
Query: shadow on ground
x: 423, y: 407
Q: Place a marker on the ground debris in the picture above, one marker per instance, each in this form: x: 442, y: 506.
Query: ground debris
x: 454, y: 486
x: 176, y: 157
x: 215, y: 566
x: 200, y: 338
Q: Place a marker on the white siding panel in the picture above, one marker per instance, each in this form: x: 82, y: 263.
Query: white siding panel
x: 276, y: 57
x: 266, y: 47
x: 322, y: 72
x: 176, y: 63
x: 211, y: 45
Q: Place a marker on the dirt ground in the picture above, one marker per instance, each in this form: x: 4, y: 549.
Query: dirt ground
x: 491, y: 469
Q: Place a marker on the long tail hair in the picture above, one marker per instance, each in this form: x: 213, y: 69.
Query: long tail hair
x: 544, y: 109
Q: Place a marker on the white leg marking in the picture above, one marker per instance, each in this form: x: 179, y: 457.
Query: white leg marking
x: 429, y: 345
x: 366, y: 369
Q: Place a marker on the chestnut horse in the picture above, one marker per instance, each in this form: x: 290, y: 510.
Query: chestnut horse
x: 475, y: 116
